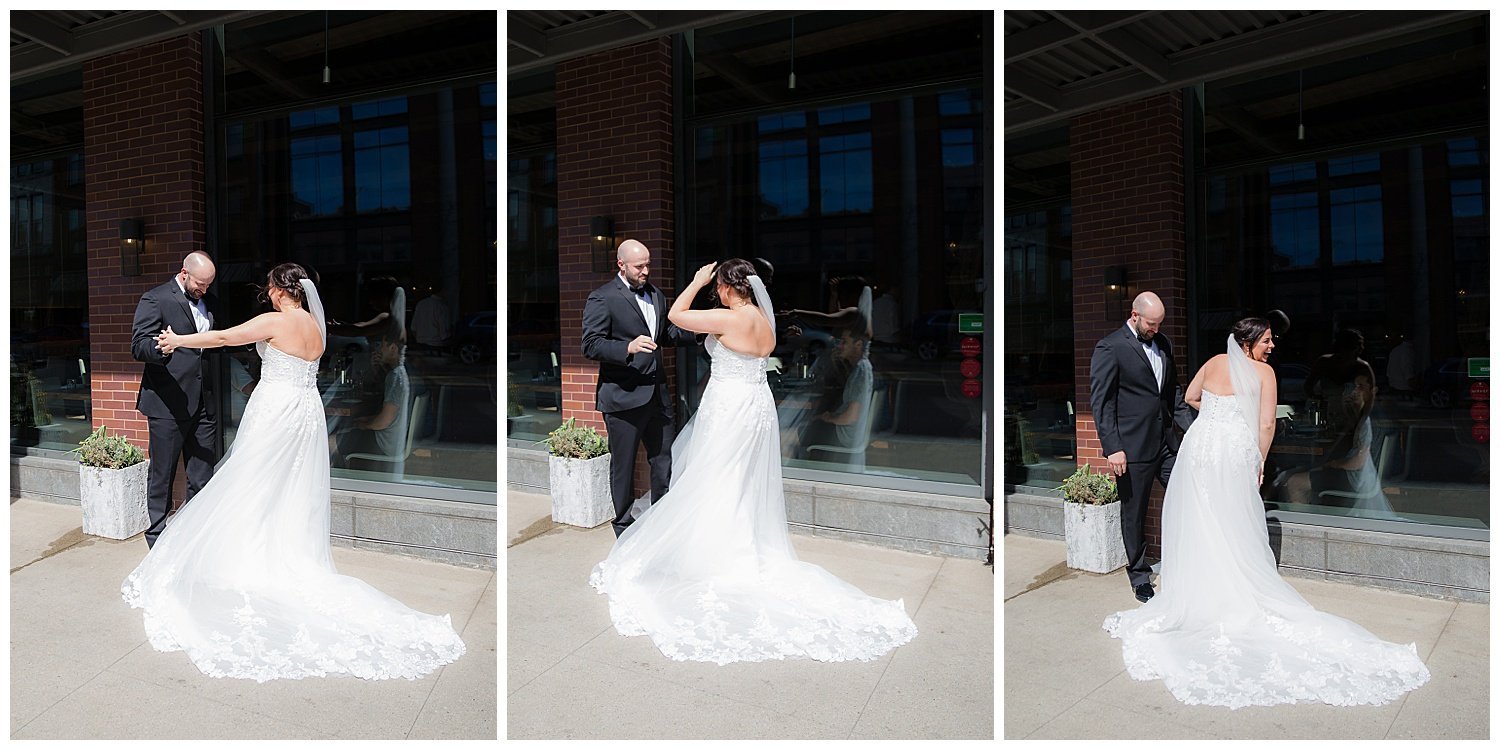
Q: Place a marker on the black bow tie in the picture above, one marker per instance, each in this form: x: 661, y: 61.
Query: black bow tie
x: 641, y: 291
x: 1142, y: 338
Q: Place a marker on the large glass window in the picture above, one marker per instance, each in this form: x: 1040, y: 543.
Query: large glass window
x: 870, y: 213
x: 1040, y: 439
x: 389, y: 200
x: 1375, y: 243
x: 533, y: 366
x: 50, y: 404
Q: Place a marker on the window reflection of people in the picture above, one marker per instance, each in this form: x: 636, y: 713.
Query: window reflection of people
x: 431, y: 324
x: 885, y: 317
x: 850, y: 307
x: 1401, y: 370
x: 841, y: 416
x: 1347, y: 476
x: 383, y: 432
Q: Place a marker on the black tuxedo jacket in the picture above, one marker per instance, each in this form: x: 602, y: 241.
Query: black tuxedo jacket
x: 172, y: 386
x: 611, y: 320
x: 1131, y: 412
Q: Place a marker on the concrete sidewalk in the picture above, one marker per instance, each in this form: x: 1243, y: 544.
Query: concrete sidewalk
x: 571, y: 676
x: 1065, y: 677
x: 80, y: 666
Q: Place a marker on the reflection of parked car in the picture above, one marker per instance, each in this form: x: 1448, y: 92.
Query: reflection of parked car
x: 1446, y: 383
x: 530, y: 336
x: 476, y: 338
x: 810, y: 345
x: 936, y: 333
x: 1292, y: 383
x: 63, y: 341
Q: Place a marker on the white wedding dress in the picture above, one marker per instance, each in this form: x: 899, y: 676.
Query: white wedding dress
x: 1225, y: 629
x: 243, y: 577
x: 708, y: 571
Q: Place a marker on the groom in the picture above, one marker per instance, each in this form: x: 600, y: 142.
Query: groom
x: 624, y: 326
x: 177, y: 391
x: 1135, y: 397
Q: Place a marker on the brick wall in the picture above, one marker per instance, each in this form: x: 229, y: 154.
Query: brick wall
x: 143, y: 158
x: 614, y: 158
x: 1127, y: 173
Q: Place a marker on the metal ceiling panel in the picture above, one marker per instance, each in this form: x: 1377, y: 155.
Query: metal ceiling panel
x: 42, y: 41
x: 1061, y: 63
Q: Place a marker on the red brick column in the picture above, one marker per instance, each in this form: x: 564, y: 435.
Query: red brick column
x: 1127, y: 172
x: 614, y: 158
x: 143, y: 158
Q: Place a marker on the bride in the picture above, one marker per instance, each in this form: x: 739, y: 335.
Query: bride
x: 1227, y: 630
x: 243, y: 578
x: 708, y: 571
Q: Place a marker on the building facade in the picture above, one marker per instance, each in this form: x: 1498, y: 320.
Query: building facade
x: 360, y: 144
x: 1328, y: 167
x: 855, y: 165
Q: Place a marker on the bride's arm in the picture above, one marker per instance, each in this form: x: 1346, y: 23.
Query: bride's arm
x: 257, y: 328
x: 1267, y: 408
x: 1194, y: 394
x: 698, y: 321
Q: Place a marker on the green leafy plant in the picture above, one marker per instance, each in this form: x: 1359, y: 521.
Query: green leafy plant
x: 108, y: 452
x: 1089, y: 487
x: 572, y: 441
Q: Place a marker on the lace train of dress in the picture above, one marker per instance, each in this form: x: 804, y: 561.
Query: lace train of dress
x: 243, y: 577
x: 1226, y: 630
x: 709, y: 572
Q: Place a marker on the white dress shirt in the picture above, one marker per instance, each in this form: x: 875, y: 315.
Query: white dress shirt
x: 648, y: 310
x: 1153, y: 355
x: 200, y: 311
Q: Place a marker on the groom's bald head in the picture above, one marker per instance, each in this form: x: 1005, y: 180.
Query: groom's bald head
x: 1147, y: 313
x: 634, y: 261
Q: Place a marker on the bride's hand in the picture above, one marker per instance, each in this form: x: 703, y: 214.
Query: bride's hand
x: 704, y: 274
x: 166, y: 341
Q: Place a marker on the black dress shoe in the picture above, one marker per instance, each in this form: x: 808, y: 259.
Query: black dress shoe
x: 1144, y: 592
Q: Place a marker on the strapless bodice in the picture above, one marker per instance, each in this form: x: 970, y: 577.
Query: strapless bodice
x: 1216, y: 407
x: 277, y: 366
x: 730, y: 365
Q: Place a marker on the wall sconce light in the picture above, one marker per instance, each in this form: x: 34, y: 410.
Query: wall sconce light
x: 602, y: 243
x: 132, y: 245
x: 1116, y: 290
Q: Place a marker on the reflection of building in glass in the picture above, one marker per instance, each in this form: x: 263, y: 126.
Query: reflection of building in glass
x: 875, y: 166
x: 1347, y: 189
x: 226, y: 138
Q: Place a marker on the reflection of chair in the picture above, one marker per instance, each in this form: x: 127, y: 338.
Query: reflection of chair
x: 855, y: 454
x: 1381, y: 456
x: 413, y: 423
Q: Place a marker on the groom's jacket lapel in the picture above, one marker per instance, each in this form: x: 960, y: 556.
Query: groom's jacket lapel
x: 629, y: 298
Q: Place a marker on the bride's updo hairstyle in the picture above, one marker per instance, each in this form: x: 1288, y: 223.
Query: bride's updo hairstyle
x: 736, y: 273
x: 288, y: 278
x: 1249, y: 330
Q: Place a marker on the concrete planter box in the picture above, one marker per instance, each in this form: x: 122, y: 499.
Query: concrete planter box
x: 580, y: 491
x: 1093, y: 536
x: 114, y: 500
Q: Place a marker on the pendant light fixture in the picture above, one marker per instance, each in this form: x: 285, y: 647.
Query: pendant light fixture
x: 327, y: 72
x: 791, y: 78
x: 1300, y: 132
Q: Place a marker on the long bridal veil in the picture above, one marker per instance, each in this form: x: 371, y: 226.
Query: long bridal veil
x: 1225, y: 629
x: 243, y: 578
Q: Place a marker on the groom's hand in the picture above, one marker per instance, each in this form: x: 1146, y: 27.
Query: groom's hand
x: 1117, y: 463
x: 641, y: 344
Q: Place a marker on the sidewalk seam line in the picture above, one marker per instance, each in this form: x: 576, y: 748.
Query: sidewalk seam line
x: 942, y: 563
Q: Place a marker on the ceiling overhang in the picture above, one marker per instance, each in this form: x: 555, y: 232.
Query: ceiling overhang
x: 1063, y: 63
x: 44, y: 41
x: 536, y: 39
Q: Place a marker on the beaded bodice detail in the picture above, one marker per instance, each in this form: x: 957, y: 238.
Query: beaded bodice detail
x: 1217, y: 408
x: 277, y: 366
x: 731, y: 366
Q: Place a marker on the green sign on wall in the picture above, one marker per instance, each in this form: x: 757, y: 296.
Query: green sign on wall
x: 971, y: 324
